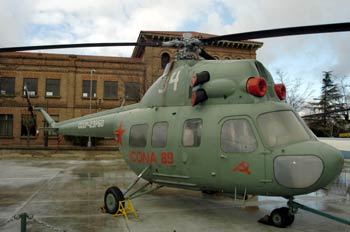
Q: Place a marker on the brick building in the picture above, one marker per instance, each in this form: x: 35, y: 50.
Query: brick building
x: 62, y: 83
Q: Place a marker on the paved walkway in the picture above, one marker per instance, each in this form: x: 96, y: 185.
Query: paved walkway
x: 67, y: 195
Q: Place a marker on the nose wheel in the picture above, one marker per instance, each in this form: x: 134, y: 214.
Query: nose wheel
x: 281, y: 217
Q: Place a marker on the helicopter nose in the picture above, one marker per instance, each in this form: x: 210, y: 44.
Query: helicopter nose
x: 315, y: 167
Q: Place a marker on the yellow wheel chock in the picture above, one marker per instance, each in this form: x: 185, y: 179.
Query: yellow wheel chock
x: 124, y: 208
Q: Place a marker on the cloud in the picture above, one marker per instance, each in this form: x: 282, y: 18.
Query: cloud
x: 65, y: 21
x: 15, y: 16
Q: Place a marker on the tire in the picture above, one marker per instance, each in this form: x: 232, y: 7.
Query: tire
x: 112, y: 197
x: 290, y: 217
x: 279, y: 218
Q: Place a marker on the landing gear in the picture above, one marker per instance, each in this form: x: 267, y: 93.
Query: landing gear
x: 281, y: 217
x: 113, y: 196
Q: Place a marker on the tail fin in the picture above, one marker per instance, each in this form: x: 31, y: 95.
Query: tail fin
x: 47, y: 117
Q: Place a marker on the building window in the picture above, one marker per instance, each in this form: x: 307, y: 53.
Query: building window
x: 159, y: 134
x: 192, y: 133
x: 132, y: 90
x: 7, y: 86
x: 28, y: 125
x: 89, y: 86
x: 138, y: 135
x: 237, y: 136
x: 110, y: 89
x: 32, y: 86
x: 52, y: 87
x: 6, y: 125
x: 165, y: 59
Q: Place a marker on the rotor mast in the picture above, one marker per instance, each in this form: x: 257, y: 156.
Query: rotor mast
x: 190, y: 47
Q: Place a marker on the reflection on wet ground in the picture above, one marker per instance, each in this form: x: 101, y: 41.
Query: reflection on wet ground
x: 68, y: 194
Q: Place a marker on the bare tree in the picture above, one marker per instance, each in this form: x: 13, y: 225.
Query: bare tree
x: 297, y: 94
x: 343, y: 83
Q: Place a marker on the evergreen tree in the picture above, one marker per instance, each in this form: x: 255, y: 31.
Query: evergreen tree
x: 327, y: 122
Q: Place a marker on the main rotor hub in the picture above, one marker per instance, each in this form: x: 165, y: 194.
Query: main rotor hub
x: 189, y: 46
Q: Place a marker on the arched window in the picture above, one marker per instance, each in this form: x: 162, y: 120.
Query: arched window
x: 165, y: 59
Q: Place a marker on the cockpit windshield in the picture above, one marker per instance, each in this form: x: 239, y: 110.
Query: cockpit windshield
x: 281, y: 128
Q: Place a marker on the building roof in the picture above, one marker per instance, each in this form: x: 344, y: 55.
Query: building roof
x: 170, y: 35
x: 59, y: 56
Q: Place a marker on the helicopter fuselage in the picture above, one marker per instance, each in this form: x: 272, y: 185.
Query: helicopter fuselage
x: 231, y: 141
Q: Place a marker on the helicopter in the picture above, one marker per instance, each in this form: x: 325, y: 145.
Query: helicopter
x: 213, y: 126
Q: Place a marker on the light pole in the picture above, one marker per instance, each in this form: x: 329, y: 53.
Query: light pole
x: 91, y: 72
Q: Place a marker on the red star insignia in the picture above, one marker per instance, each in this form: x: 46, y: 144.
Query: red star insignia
x: 119, y: 134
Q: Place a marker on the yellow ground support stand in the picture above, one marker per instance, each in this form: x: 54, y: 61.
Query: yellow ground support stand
x: 123, y: 210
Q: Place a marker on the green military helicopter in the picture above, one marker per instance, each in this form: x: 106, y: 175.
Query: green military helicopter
x: 214, y: 126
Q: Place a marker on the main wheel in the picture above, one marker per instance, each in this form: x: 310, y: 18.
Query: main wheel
x: 113, y: 196
x: 279, y: 217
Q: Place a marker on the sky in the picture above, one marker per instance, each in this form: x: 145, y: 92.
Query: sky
x: 39, y: 22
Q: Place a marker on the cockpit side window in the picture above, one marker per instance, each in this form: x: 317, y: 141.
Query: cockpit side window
x: 281, y: 128
x: 237, y: 136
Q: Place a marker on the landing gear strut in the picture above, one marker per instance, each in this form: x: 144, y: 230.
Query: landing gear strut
x: 283, y: 217
x: 114, y: 195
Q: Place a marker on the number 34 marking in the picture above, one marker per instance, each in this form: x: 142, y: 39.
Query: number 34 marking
x: 174, y: 79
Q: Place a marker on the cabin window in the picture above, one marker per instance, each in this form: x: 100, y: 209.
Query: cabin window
x: 237, y: 136
x: 53, y: 87
x: 28, y: 125
x: 111, y: 89
x: 159, y: 134
x: 7, y: 86
x: 192, y: 132
x: 138, y: 135
x: 89, y: 86
x: 6, y: 125
x: 132, y: 90
x: 32, y: 86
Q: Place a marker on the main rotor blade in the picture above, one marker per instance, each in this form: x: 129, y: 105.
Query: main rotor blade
x: 206, y: 55
x: 81, y: 45
x: 289, y: 31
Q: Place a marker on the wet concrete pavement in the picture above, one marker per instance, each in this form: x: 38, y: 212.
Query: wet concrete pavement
x: 67, y: 195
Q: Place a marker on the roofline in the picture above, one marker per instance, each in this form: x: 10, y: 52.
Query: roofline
x: 169, y: 35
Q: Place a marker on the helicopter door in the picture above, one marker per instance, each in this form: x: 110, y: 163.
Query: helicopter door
x: 241, y: 164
